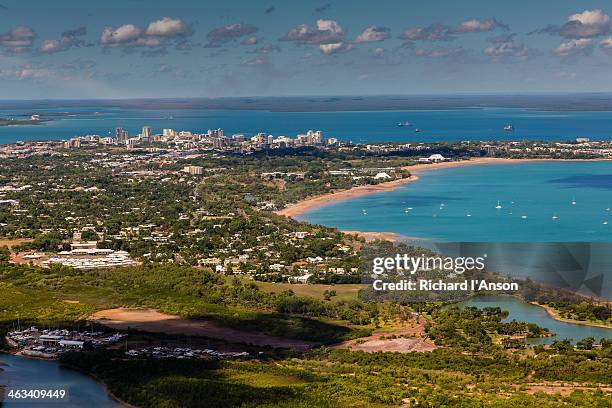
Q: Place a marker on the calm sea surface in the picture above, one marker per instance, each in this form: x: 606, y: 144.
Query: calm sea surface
x: 359, y: 127
x: 552, y: 202
x: 459, y: 204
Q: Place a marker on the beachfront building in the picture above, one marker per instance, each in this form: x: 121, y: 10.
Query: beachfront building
x: 434, y: 158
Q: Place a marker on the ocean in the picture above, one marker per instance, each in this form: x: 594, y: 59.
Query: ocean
x: 482, y: 123
x: 454, y: 210
x: 458, y: 204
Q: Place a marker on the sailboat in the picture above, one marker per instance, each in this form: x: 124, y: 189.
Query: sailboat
x: 498, y: 206
x: 608, y: 208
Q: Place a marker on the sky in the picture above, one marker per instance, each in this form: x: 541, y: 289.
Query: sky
x: 185, y: 48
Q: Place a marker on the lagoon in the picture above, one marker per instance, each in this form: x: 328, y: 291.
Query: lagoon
x: 525, y: 312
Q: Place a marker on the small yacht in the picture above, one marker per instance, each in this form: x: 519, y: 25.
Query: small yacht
x: 554, y: 217
x: 468, y: 215
x: 605, y: 222
x: 608, y: 208
x: 404, y: 124
x: 498, y: 206
x: 574, y: 201
x: 509, y: 128
x: 417, y: 130
x: 524, y: 217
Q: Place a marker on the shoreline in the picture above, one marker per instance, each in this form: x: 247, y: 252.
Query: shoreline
x: 552, y: 313
x: 296, y: 209
x: 311, y: 203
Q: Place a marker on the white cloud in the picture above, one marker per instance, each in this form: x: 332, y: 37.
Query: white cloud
x: 324, y: 32
x: 606, y: 43
x: 507, y: 46
x: 373, y: 34
x: 69, y: 39
x: 249, y: 41
x: 228, y: 33
x: 589, y: 23
x: 592, y: 17
x: 377, y: 52
x: 335, y: 48
x: 168, y: 27
x: 125, y: 34
x: 477, y: 26
x: 18, y: 39
x: 573, y: 47
x: 158, y: 34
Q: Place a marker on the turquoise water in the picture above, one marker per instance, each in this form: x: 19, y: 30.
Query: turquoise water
x: 515, y: 237
x: 525, y: 312
x: 359, y: 127
x: 83, y: 391
x: 437, y: 206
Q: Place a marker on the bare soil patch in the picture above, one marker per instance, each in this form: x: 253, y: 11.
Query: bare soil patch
x: 410, y: 337
x: 153, y: 321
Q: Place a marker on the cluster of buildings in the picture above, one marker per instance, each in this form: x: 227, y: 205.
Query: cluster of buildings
x: 85, y: 255
x: 183, y: 353
x: 34, y: 342
x: 212, y: 139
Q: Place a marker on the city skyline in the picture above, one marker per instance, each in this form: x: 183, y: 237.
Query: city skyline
x: 242, y: 48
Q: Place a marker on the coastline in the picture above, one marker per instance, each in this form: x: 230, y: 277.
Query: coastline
x: 296, y: 209
x: 375, y: 236
x: 303, y: 206
x: 552, y: 313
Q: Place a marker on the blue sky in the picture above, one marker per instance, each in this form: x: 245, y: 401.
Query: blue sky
x: 140, y: 48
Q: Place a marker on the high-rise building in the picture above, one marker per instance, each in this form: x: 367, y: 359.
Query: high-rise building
x: 121, y: 135
x: 146, y: 134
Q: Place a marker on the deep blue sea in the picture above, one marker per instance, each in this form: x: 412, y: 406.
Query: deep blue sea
x: 358, y: 127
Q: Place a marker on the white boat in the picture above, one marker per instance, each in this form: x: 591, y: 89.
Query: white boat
x: 554, y: 217
x: 498, y: 206
x: 573, y: 201
x: 605, y: 222
x: 404, y: 124
x: 509, y: 128
x: 524, y: 217
x: 608, y: 208
x: 468, y: 215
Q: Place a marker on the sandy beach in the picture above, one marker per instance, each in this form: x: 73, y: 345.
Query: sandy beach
x: 294, y: 210
x: 375, y: 236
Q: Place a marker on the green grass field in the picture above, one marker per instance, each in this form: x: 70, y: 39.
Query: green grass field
x: 343, y: 292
